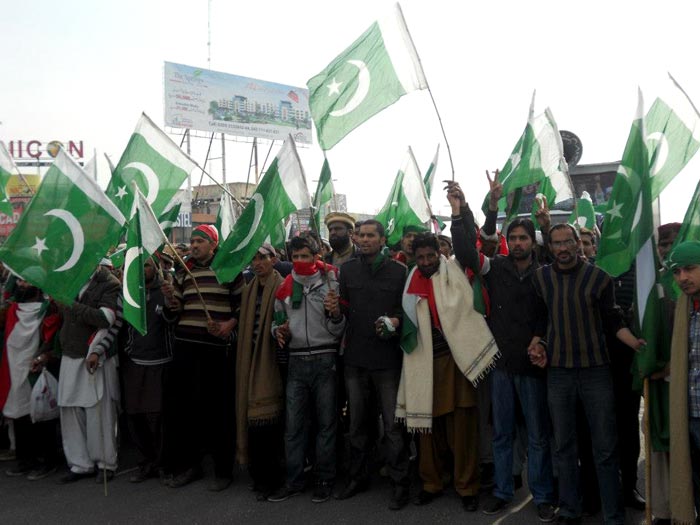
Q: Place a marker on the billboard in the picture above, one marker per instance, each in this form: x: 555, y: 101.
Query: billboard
x: 208, y: 100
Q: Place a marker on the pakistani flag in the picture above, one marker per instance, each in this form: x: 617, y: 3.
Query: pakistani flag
x: 7, y: 169
x: 63, y: 233
x: 408, y: 204
x: 155, y: 162
x: 226, y: 217
x: 374, y: 72
x: 143, y: 238
x: 690, y: 229
x: 583, y: 215
x: 117, y: 258
x: 538, y: 156
x: 281, y: 191
x: 324, y: 192
x: 430, y: 174
x: 279, y: 235
x: 168, y: 219
x: 673, y: 135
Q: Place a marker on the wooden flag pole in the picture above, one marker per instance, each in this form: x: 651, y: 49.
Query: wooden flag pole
x: 138, y: 195
x: 647, y: 453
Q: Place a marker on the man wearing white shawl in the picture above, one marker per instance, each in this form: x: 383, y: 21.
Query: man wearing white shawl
x: 447, y: 348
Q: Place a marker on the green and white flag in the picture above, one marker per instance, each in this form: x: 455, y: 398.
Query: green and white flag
x: 324, y: 193
x: 68, y: 226
x: 430, y: 174
x: 583, y: 215
x: 635, y: 225
x: 117, y: 258
x: 281, y: 191
x: 690, y: 229
x: 279, y: 235
x: 226, y: 217
x: 408, y: 204
x: 673, y: 135
x: 374, y: 72
x: 624, y: 231
x: 155, y: 162
x: 538, y: 156
x: 168, y: 219
x: 7, y: 169
x: 144, y: 237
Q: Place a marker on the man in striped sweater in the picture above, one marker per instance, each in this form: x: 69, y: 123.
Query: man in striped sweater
x: 577, y: 300
x: 201, y: 412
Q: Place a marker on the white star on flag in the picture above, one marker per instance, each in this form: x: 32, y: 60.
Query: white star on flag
x: 121, y: 192
x: 334, y: 87
x: 39, y: 246
x: 615, y: 210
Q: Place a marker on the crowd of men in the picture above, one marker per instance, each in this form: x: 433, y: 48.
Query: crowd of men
x: 466, y: 356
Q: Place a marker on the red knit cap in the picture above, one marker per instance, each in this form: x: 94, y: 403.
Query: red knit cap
x: 208, y: 231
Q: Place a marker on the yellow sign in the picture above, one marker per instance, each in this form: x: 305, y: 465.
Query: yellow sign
x: 16, y: 187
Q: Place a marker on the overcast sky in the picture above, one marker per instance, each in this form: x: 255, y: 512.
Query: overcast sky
x: 85, y: 70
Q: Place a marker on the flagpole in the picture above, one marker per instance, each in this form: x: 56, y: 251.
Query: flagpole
x: 413, y: 46
x: 139, y: 195
x: 444, y: 135
x: 647, y: 453
x: 224, y: 188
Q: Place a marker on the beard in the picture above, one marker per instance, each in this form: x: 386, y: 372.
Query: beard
x: 339, y: 243
x: 429, y: 271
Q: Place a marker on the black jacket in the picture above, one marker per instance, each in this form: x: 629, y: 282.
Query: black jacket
x: 365, y: 296
x: 513, y: 300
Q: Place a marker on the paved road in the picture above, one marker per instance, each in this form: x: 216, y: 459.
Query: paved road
x: 84, y: 502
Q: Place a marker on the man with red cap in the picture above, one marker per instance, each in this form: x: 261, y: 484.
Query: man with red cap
x: 200, y: 417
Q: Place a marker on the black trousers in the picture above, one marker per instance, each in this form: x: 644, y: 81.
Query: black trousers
x: 200, y: 408
x: 627, y: 403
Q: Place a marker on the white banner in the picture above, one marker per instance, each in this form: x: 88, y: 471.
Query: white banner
x: 212, y: 101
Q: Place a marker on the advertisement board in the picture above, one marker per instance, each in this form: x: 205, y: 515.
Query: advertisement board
x: 206, y: 100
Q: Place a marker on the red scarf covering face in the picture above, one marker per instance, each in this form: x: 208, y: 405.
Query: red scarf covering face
x: 423, y: 287
x: 286, y: 288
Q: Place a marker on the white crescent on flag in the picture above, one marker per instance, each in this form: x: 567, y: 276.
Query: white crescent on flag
x: 152, y: 182
x: 76, y: 232
x: 363, y: 80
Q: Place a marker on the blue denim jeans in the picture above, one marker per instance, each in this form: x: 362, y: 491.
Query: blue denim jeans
x: 532, y: 393
x: 311, y: 385
x: 593, y: 386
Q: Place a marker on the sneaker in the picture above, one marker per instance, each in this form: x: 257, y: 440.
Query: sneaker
x: 283, y: 494
x: 546, y: 512
x: 494, y: 505
x: 72, y: 477
x: 218, y: 484
x: 353, y: 488
x: 322, y: 492
x: 19, y: 470
x: 186, y: 477
x: 424, y: 497
x: 143, y: 473
x: 41, y: 472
